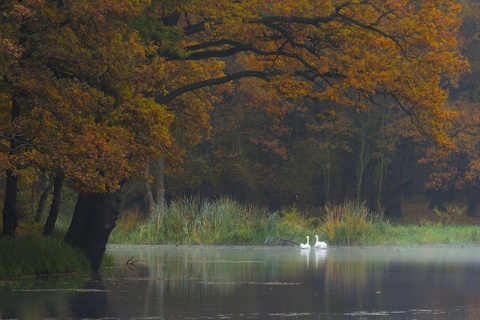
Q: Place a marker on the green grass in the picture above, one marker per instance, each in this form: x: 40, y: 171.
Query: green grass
x: 419, y: 234
x: 31, y: 255
x: 191, y: 221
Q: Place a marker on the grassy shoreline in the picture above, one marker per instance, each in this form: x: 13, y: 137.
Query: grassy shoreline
x: 191, y: 221
x: 225, y: 222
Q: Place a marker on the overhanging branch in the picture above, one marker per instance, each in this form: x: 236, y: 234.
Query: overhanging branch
x: 211, y: 82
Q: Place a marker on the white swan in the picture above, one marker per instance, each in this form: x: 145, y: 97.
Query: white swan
x: 307, y: 245
x: 319, y: 244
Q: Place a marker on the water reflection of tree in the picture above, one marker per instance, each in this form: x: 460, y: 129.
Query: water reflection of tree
x: 349, y: 275
x: 91, y: 302
x: 38, y: 297
x: 417, y: 279
x: 228, y: 273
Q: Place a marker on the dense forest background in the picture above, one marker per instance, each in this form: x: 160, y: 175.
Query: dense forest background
x: 304, y: 152
x: 271, y: 104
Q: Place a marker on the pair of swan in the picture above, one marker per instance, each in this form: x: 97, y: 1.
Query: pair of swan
x: 317, y: 245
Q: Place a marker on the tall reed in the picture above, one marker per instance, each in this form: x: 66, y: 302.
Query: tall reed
x: 193, y: 221
x: 349, y: 223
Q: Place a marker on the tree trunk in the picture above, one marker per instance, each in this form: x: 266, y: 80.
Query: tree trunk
x: 392, y: 197
x: 43, y: 201
x: 393, y: 191
x: 94, y: 218
x: 54, y: 207
x: 396, y: 175
x: 151, y: 202
x: 160, y: 181
x: 472, y: 199
x: 160, y: 185
x: 10, y: 206
x: 10, y: 203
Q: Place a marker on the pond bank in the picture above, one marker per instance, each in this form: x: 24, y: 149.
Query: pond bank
x: 227, y: 222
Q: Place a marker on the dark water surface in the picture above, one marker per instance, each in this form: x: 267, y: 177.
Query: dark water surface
x: 197, y: 282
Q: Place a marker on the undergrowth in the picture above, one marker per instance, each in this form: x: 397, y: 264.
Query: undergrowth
x: 191, y: 221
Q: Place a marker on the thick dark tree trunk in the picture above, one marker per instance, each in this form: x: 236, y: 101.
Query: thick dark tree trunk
x: 94, y: 218
x: 55, y: 206
x: 10, y: 206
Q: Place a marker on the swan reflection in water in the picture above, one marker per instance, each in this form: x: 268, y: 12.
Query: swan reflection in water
x: 305, y: 255
x: 320, y: 257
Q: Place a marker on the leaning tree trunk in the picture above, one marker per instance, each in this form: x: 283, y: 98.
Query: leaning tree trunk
x: 93, y: 220
x: 10, y: 206
x: 54, y: 207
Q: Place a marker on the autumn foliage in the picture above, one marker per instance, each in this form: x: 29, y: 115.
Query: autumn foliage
x: 93, y: 79
x: 91, y: 90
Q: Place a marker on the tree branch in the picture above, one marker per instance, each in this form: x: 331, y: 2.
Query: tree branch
x: 210, y: 82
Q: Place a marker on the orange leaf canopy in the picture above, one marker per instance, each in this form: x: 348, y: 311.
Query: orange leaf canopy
x: 93, y: 79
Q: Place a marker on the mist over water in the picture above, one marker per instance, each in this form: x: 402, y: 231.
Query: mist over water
x: 223, y: 282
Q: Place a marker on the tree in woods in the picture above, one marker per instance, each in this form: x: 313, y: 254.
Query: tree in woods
x: 458, y: 170
x: 345, y: 87
x: 94, y: 89
x: 79, y: 92
x: 351, y: 74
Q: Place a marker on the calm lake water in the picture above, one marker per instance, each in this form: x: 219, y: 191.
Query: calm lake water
x: 197, y: 282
